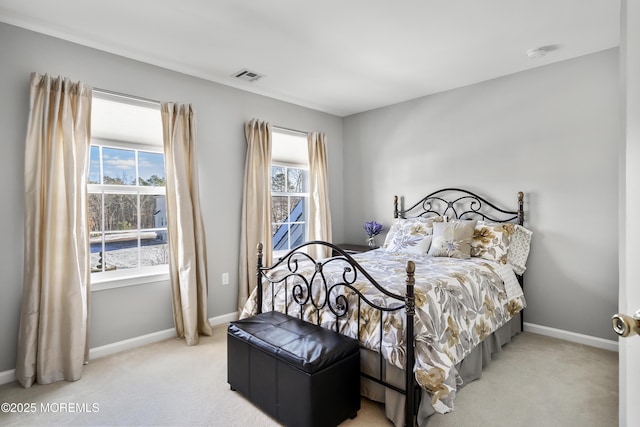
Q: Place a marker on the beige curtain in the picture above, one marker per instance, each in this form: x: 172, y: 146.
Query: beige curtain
x: 319, y: 212
x: 52, y: 337
x: 256, y: 206
x: 187, y: 246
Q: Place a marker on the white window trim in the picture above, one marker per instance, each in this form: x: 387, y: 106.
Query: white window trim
x: 124, y: 278
x: 126, y: 145
x: 279, y: 254
x: 105, y: 280
x: 125, y: 189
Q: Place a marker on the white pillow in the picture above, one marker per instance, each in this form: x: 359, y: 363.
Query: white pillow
x: 391, y: 233
x: 412, y: 236
x: 519, y: 249
x: 452, y: 239
x: 418, y: 245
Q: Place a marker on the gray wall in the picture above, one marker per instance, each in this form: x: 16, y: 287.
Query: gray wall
x: 552, y: 133
x: 124, y: 313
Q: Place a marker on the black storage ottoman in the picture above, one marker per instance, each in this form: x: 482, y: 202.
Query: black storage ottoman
x: 299, y: 373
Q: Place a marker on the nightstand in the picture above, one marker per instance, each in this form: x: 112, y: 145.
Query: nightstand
x: 353, y: 249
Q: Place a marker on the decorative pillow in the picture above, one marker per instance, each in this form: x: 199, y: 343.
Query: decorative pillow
x: 519, y: 249
x: 452, y: 239
x: 411, y: 235
x: 409, y: 244
x: 391, y: 234
x: 491, y: 241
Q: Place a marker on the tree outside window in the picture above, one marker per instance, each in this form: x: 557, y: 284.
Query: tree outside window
x: 289, y: 201
x: 126, y: 209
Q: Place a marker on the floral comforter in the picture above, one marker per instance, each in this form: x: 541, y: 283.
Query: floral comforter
x: 458, y: 304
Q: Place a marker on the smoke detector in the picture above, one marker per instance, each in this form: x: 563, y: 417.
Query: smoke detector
x: 536, y: 53
x: 541, y: 51
x: 248, y: 75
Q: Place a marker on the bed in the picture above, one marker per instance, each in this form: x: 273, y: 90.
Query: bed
x: 441, y: 295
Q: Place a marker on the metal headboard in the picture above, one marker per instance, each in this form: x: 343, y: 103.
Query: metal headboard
x: 460, y: 204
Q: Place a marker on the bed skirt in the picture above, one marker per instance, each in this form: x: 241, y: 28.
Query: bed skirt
x: 469, y: 369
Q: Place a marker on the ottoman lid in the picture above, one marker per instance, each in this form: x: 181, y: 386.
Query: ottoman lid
x: 304, y: 345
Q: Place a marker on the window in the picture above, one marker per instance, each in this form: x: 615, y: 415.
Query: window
x: 289, y: 191
x: 126, y: 186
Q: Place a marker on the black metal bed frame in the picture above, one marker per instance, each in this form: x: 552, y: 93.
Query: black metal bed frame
x: 469, y: 204
x: 465, y: 205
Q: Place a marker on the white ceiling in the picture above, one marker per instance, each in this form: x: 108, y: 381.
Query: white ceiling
x: 337, y: 56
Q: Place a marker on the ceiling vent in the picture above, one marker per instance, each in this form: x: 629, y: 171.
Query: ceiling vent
x: 248, y: 75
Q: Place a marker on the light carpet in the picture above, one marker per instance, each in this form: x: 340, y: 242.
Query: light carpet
x: 534, y: 381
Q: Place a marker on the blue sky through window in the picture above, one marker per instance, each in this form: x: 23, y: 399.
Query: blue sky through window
x: 119, y: 164
x: 150, y: 164
x: 94, y: 165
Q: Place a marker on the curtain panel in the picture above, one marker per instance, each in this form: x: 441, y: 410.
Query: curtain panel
x: 187, y: 245
x: 319, y: 211
x: 256, y: 206
x: 53, y: 340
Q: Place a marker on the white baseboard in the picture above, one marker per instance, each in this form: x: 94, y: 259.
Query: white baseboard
x: 571, y: 336
x: 225, y: 318
x: 106, y: 350
x: 119, y: 346
x: 116, y: 347
x: 7, y: 377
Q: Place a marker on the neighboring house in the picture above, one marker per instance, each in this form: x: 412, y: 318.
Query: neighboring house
x: 280, y: 238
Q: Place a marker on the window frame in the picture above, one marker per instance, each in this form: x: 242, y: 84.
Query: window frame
x: 144, y: 274
x: 290, y: 165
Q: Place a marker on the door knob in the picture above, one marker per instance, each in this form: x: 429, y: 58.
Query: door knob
x: 624, y: 325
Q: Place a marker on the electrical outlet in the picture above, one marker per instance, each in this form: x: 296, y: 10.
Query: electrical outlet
x: 225, y: 278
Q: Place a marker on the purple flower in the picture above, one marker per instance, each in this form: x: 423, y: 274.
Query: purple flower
x: 372, y: 228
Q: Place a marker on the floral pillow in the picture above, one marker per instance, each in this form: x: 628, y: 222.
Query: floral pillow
x: 391, y: 234
x: 452, y: 239
x: 491, y: 241
x: 411, y: 235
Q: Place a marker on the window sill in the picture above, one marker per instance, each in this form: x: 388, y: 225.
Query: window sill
x: 120, y: 279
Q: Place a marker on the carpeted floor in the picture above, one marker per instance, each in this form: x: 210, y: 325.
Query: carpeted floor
x: 534, y: 381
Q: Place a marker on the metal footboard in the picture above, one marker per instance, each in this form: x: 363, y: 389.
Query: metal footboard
x: 305, y: 288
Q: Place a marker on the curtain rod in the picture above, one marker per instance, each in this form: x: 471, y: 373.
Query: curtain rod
x: 290, y: 130
x: 127, y: 96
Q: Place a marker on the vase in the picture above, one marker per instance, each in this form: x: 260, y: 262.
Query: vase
x: 371, y: 241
